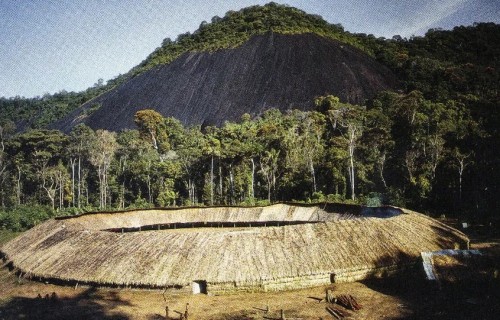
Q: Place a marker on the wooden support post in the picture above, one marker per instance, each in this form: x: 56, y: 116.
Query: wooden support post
x: 166, y: 313
x: 282, y: 315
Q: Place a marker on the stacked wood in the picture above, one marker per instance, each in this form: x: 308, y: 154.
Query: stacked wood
x: 348, y: 302
x: 337, y: 313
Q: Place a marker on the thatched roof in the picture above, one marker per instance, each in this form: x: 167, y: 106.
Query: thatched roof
x: 80, y: 249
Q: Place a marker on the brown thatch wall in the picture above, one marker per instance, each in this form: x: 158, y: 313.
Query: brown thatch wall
x: 259, y: 259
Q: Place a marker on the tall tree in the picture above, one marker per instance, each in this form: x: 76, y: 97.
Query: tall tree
x: 101, y: 155
x: 212, y: 149
x: 6, y: 130
x: 80, y: 142
x: 151, y: 125
x: 347, y: 120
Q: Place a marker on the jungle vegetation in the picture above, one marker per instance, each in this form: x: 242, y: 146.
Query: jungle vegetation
x: 432, y: 146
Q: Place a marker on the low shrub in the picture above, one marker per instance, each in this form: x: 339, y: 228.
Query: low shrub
x: 24, y: 217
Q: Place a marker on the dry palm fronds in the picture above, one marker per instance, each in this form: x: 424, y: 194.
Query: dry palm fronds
x: 292, y: 255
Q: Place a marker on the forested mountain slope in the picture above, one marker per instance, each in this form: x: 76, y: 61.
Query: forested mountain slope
x: 443, y: 64
x: 429, y: 140
x: 270, y: 70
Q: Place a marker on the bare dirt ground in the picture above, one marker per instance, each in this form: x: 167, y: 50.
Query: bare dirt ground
x: 405, y: 296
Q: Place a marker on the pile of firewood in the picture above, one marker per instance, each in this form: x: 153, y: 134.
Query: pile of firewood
x: 344, y: 300
x: 337, y: 313
x: 348, y: 302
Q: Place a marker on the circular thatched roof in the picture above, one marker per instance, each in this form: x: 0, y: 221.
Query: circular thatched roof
x: 173, y: 248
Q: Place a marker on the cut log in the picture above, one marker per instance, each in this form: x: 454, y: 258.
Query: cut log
x: 334, y: 313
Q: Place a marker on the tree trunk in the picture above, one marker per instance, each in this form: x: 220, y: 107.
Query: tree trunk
x: 220, y: 180
x: 61, y: 191
x: 101, y: 182
x: 105, y: 186
x: 73, y: 164
x: 51, y: 192
x: 269, y: 189
x: 460, y: 174
x: 193, y: 192
x: 252, y: 186
x: 212, y: 181
x: 313, y: 175
x: 86, y: 195
x: 231, y: 184
x: 123, y: 165
x: 79, y: 181
x: 381, y: 164
x: 122, y: 202
x: 190, y: 191
x: 18, y: 187
x: 149, y: 188
x: 351, y: 170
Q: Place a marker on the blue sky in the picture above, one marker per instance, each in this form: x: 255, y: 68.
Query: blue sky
x: 51, y: 45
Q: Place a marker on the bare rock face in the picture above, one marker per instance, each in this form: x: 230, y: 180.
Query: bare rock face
x: 268, y: 71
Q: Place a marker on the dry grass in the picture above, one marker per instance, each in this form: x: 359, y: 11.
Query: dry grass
x: 407, y: 296
x: 264, y: 258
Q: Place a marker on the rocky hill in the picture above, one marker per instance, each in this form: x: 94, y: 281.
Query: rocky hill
x: 273, y: 56
x: 270, y: 70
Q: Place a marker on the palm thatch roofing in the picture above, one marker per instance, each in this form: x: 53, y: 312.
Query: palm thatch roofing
x: 173, y: 248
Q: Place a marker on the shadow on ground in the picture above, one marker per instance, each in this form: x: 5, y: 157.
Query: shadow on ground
x: 90, y: 304
x: 468, y: 298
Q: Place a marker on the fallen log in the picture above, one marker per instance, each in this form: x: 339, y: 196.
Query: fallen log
x: 342, y: 313
x: 334, y: 313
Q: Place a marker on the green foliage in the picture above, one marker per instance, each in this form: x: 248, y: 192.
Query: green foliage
x: 449, y: 64
x: 374, y: 199
x: 431, y: 145
x: 40, y: 112
x: 318, y: 197
x: 400, y: 149
x: 140, y: 203
x: 166, y: 198
x: 235, y: 28
x: 24, y: 217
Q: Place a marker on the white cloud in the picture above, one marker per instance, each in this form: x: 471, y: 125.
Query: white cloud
x: 429, y: 14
